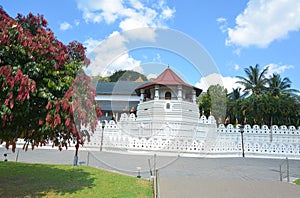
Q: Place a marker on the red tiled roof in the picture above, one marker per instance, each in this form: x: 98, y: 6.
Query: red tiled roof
x: 168, y: 77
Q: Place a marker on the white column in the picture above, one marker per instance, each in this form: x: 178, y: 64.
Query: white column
x: 194, y: 97
x: 142, y: 96
x: 156, y: 94
x: 179, y: 94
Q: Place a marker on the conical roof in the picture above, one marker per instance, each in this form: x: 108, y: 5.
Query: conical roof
x: 168, y: 77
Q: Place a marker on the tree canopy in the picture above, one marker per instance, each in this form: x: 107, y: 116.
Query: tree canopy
x: 121, y: 75
x: 255, y: 80
x: 45, y: 95
x: 213, y: 102
x: 263, y: 100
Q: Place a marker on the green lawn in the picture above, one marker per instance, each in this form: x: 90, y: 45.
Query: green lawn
x: 36, y: 180
x: 297, y: 182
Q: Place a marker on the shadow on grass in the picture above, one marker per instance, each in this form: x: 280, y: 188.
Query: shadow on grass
x: 36, y: 180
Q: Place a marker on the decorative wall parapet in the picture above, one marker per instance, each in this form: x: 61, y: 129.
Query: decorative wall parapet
x: 204, y: 139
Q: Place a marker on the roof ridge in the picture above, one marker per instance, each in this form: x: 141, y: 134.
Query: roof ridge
x: 169, y: 75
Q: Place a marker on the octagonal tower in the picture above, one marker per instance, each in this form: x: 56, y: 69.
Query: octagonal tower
x: 168, y: 98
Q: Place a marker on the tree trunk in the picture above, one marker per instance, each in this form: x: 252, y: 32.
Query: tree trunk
x: 75, y: 161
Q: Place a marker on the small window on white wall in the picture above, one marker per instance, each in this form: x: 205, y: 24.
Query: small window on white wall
x: 168, y: 106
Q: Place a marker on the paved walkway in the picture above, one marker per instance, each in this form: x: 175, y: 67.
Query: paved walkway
x: 194, y: 187
x: 228, y: 177
x: 184, y: 177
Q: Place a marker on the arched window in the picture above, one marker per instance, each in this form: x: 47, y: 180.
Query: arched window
x: 168, y: 95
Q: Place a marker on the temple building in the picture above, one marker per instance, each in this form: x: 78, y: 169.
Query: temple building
x: 168, y: 98
x: 117, y: 97
x: 168, y: 122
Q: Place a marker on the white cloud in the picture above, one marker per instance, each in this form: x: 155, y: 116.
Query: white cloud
x: 97, y: 11
x: 277, y: 69
x: 264, y: 21
x: 76, y: 22
x: 110, y: 55
x: 130, y: 15
x: 157, y: 58
x: 236, y: 67
x: 142, y: 34
x: 91, y: 44
x: 223, y: 24
x: 65, y: 26
x: 136, y: 4
x: 237, y: 51
x: 105, y: 52
x: 168, y: 13
x: 151, y: 76
x: 217, y: 79
x: 133, y: 15
x: 126, y: 62
x: 221, y: 20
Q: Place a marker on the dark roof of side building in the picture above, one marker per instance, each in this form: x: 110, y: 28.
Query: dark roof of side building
x: 117, y: 88
x: 118, y: 106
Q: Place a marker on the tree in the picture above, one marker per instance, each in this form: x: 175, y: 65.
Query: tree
x: 214, y: 102
x: 278, y: 86
x: 236, y: 94
x: 218, y: 101
x: 44, y: 96
x: 255, y: 81
x: 272, y: 100
x: 204, y: 103
x: 126, y: 75
x: 120, y: 75
x: 235, y: 105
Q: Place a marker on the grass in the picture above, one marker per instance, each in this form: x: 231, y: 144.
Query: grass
x: 42, y: 180
x: 297, y: 182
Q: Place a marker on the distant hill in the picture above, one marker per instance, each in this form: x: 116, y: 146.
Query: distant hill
x: 126, y: 75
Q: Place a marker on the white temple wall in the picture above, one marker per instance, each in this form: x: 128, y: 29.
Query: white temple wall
x: 204, y: 140
x: 171, y: 110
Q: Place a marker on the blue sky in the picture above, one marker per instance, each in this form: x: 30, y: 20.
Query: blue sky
x: 235, y: 34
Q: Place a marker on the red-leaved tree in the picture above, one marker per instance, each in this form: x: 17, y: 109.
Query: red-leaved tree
x: 45, y: 96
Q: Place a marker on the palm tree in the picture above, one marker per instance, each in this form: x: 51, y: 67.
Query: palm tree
x: 234, y: 105
x: 255, y: 81
x: 278, y: 86
x: 236, y: 94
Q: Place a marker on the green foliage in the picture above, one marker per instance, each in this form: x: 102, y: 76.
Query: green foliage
x: 218, y: 101
x: 255, y: 81
x: 42, y: 180
x: 120, y: 75
x: 270, y: 100
x: 278, y: 86
x: 235, y: 106
x: 214, y: 102
x: 124, y: 75
x: 104, y: 79
x: 297, y: 182
x: 204, y: 103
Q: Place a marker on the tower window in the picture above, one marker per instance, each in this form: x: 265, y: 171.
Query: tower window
x: 168, y: 95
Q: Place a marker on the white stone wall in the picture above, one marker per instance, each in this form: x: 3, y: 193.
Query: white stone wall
x: 205, y: 139
x: 178, y: 110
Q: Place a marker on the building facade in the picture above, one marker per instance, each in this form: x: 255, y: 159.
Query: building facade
x: 116, y: 98
x: 168, y: 121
